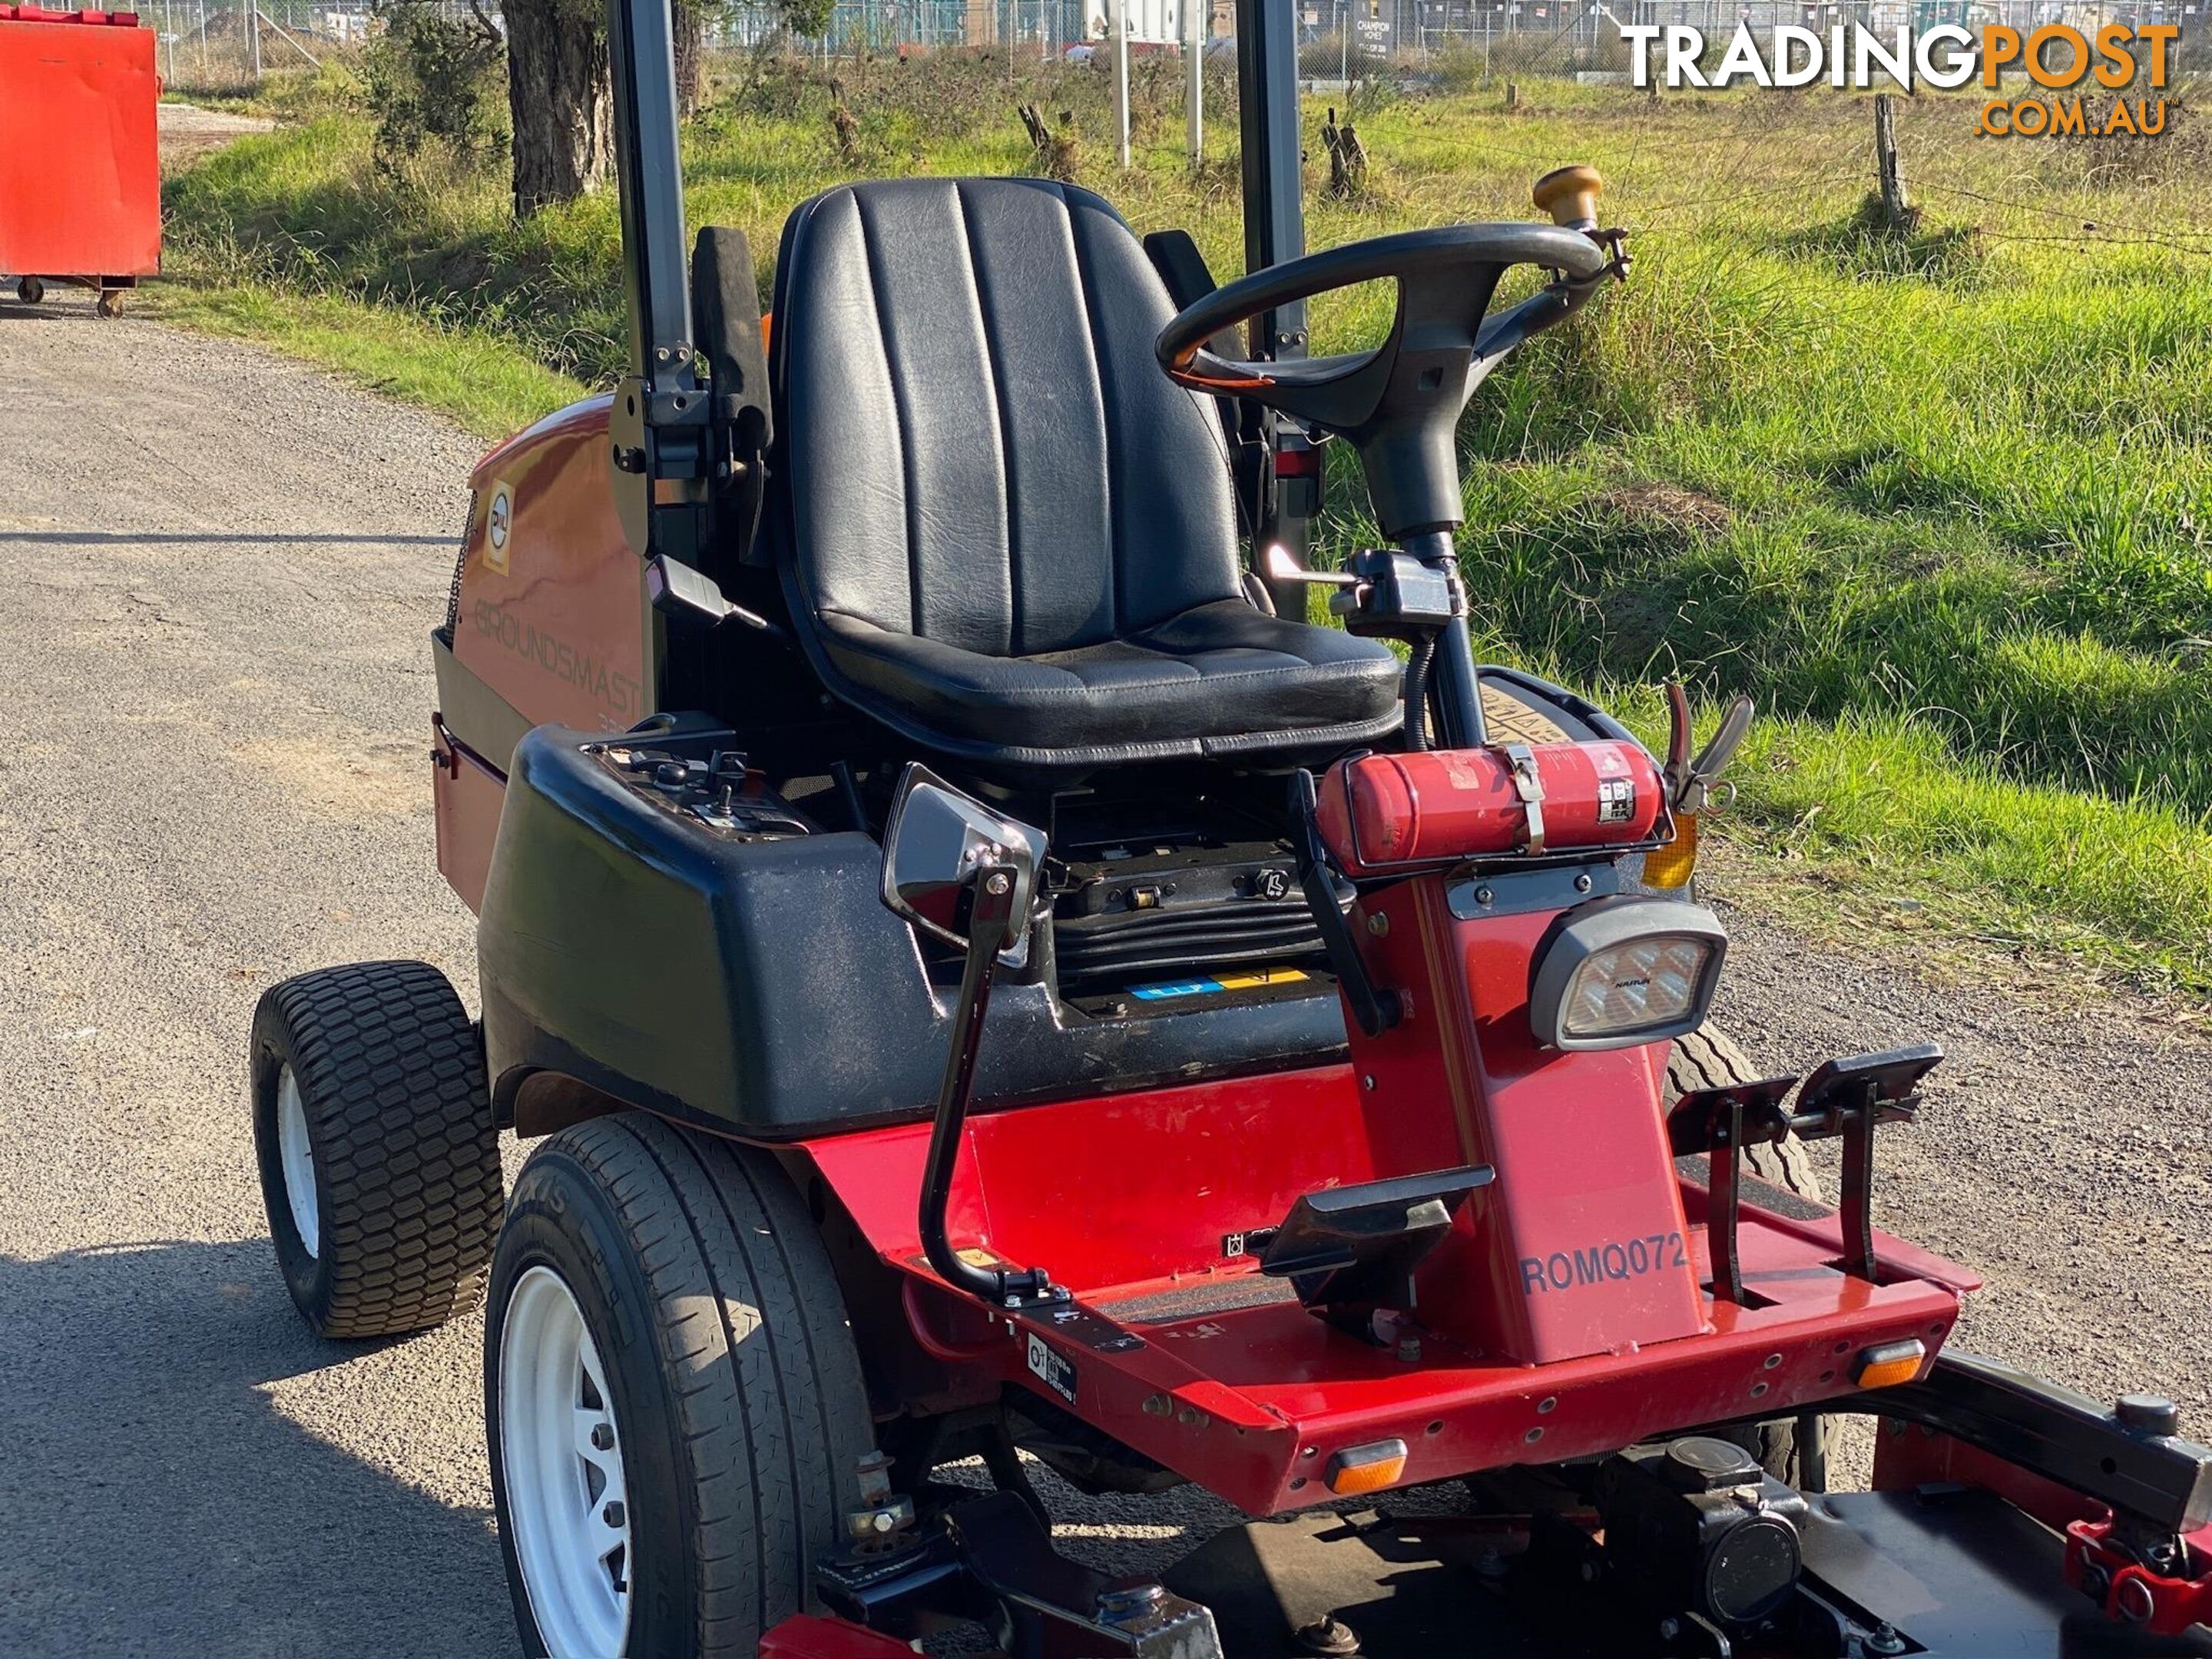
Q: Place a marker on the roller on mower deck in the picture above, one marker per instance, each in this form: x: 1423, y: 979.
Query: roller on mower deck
x: 989, y: 981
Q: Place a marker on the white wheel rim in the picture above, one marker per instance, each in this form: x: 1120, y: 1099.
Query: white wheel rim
x: 560, y: 1449
x: 296, y: 1154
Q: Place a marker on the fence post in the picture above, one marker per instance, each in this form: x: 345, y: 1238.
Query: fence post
x: 1117, y: 19
x: 1889, y: 169
x: 1194, y: 96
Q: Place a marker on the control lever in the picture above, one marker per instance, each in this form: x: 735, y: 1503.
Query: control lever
x: 682, y: 591
x: 1374, y: 1010
x: 1690, y: 781
x: 1282, y: 568
x: 994, y: 893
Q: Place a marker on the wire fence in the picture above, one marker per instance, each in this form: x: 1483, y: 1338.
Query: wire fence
x: 217, y: 44
x: 1341, y: 43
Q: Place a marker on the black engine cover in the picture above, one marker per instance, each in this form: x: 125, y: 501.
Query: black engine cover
x: 760, y: 987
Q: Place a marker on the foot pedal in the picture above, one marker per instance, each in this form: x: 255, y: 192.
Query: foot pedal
x: 1845, y: 1099
x: 1350, y: 1252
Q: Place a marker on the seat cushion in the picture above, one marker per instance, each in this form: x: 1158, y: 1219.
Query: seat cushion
x: 1218, y: 679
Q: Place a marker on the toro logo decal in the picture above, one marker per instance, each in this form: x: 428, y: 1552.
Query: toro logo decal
x: 499, y: 525
x: 1053, y: 1370
x: 1615, y: 1259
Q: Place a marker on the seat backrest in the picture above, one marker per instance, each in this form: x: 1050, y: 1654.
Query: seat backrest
x: 976, y: 444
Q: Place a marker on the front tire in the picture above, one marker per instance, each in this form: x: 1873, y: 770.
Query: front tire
x: 665, y: 1294
x: 379, y: 1161
x: 1708, y: 1058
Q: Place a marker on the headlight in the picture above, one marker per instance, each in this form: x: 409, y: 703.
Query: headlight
x: 1618, y: 972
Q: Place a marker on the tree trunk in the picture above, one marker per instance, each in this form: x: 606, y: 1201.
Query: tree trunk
x: 558, y: 94
x: 690, y: 37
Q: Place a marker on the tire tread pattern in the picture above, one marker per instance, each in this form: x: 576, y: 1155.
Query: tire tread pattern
x: 750, y: 1327
x: 1708, y: 1058
x: 391, y: 1075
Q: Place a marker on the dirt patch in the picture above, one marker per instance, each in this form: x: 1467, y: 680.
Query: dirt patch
x: 188, y: 132
x: 341, y: 781
x: 1667, y: 505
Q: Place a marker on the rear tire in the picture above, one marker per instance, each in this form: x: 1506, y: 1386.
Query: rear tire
x: 379, y: 1162
x: 734, y: 1411
x: 1709, y: 1058
x: 30, y: 290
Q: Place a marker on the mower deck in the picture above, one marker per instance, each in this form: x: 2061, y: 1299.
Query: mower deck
x: 1957, y: 1572
x: 1173, y: 1342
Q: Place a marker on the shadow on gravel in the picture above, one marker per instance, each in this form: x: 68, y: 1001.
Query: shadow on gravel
x: 154, y: 1501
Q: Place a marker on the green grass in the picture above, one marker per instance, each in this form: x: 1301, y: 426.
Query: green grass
x: 485, y: 382
x: 1939, y: 501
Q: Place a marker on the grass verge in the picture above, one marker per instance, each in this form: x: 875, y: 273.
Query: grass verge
x: 1872, y: 830
x: 487, y: 384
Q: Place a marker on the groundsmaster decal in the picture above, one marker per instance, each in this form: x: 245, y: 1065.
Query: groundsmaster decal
x: 558, y: 657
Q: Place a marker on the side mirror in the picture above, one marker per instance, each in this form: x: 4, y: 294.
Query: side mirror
x: 937, y: 840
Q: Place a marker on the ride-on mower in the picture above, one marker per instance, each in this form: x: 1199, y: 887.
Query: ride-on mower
x: 994, y: 983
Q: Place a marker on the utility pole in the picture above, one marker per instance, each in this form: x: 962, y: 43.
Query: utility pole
x: 253, y: 37
x: 1117, y: 19
x: 1194, y: 75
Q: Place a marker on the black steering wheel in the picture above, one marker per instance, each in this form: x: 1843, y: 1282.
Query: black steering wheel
x: 1400, y: 403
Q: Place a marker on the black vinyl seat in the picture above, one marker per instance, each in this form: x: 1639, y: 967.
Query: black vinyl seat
x: 1007, y: 535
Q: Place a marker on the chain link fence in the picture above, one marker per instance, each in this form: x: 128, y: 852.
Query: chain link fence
x: 218, y: 44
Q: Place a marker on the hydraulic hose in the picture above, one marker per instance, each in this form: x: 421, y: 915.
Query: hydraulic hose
x: 1423, y: 653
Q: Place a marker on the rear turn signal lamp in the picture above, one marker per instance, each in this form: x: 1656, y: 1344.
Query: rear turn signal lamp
x: 1890, y: 1364
x: 1366, y: 1468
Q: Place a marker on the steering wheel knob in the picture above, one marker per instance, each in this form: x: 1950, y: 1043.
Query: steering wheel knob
x: 1570, y: 196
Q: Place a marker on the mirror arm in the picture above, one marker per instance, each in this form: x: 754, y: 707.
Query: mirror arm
x: 992, y: 889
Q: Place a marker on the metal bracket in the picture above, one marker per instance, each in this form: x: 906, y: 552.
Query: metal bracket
x: 1528, y: 785
x: 2162, y: 1481
x: 1721, y: 1122
x: 994, y: 894
x: 1848, y: 1099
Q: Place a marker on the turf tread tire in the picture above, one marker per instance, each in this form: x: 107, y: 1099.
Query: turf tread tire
x: 392, y: 1076
x: 1708, y: 1058
x: 1506, y: 718
x: 763, y: 1404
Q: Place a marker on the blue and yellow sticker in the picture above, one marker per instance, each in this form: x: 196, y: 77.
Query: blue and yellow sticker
x: 1254, y: 981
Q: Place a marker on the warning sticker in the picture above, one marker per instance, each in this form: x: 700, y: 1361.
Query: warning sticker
x: 1054, y: 1370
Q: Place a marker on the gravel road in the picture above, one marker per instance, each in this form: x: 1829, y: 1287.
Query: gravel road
x: 214, y: 706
